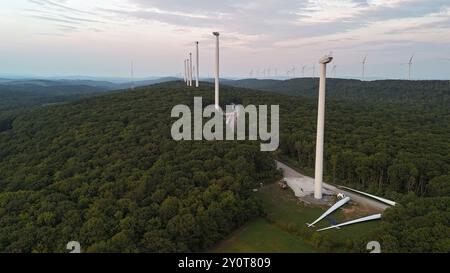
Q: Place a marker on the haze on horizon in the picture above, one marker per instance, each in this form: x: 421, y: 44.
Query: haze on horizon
x: 101, y: 37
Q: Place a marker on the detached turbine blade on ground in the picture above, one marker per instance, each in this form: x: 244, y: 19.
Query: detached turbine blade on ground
x: 330, y: 210
x: 360, y: 220
x: 381, y: 199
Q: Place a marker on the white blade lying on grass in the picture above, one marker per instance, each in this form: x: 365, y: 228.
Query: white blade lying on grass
x: 364, y: 219
x: 330, y: 210
x: 381, y: 199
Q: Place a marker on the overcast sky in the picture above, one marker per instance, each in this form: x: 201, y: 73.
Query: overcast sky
x: 101, y: 37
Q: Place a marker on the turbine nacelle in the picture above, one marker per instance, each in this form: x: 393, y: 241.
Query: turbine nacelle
x: 325, y: 59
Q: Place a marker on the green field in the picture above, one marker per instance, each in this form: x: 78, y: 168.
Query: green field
x: 283, y: 229
x: 261, y: 236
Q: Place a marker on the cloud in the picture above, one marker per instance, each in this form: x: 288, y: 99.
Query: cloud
x: 251, y: 28
x: 254, y: 23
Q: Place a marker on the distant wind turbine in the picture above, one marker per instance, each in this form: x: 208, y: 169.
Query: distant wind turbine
x: 303, y: 71
x: 185, y: 71
x: 197, y: 74
x: 410, y: 63
x: 132, y: 75
x: 364, y: 61
x: 190, y: 69
x: 217, y: 78
x: 314, y: 70
x: 188, y: 72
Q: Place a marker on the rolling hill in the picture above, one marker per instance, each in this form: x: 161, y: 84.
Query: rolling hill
x: 105, y: 171
x: 395, y: 91
x: 24, y: 93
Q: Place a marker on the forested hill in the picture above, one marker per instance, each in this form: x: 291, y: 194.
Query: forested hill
x: 13, y: 97
x: 104, y: 171
x: 25, y: 93
x: 414, y: 92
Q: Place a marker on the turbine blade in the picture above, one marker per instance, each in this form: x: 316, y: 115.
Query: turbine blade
x: 412, y: 57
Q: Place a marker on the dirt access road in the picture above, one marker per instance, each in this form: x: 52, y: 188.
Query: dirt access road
x: 296, y: 181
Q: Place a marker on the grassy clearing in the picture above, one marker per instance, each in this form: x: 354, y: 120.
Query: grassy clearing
x: 286, y: 211
x: 261, y: 236
x: 283, y: 229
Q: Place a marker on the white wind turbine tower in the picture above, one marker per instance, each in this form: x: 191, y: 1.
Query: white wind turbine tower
x: 216, y: 85
x: 132, y: 75
x: 185, y: 71
x: 321, y: 127
x: 231, y: 117
x: 194, y: 69
x: 190, y: 69
x: 197, y: 66
x: 410, y: 63
x: 364, y: 61
x: 303, y: 71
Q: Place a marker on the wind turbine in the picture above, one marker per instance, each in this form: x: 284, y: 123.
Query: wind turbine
x: 217, y: 72
x: 188, y: 72
x: 185, y: 71
x: 132, y: 75
x: 197, y: 66
x: 410, y: 63
x: 190, y: 69
x: 303, y: 71
x: 314, y: 70
x: 364, y: 61
x: 232, y: 116
x: 321, y: 127
x: 194, y: 69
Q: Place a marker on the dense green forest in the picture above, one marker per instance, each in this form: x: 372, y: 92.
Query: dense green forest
x: 381, y: 91
x: 105, y: 170
x: 391, y: 138
x: 21, y: 95
x: 14, y: 96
